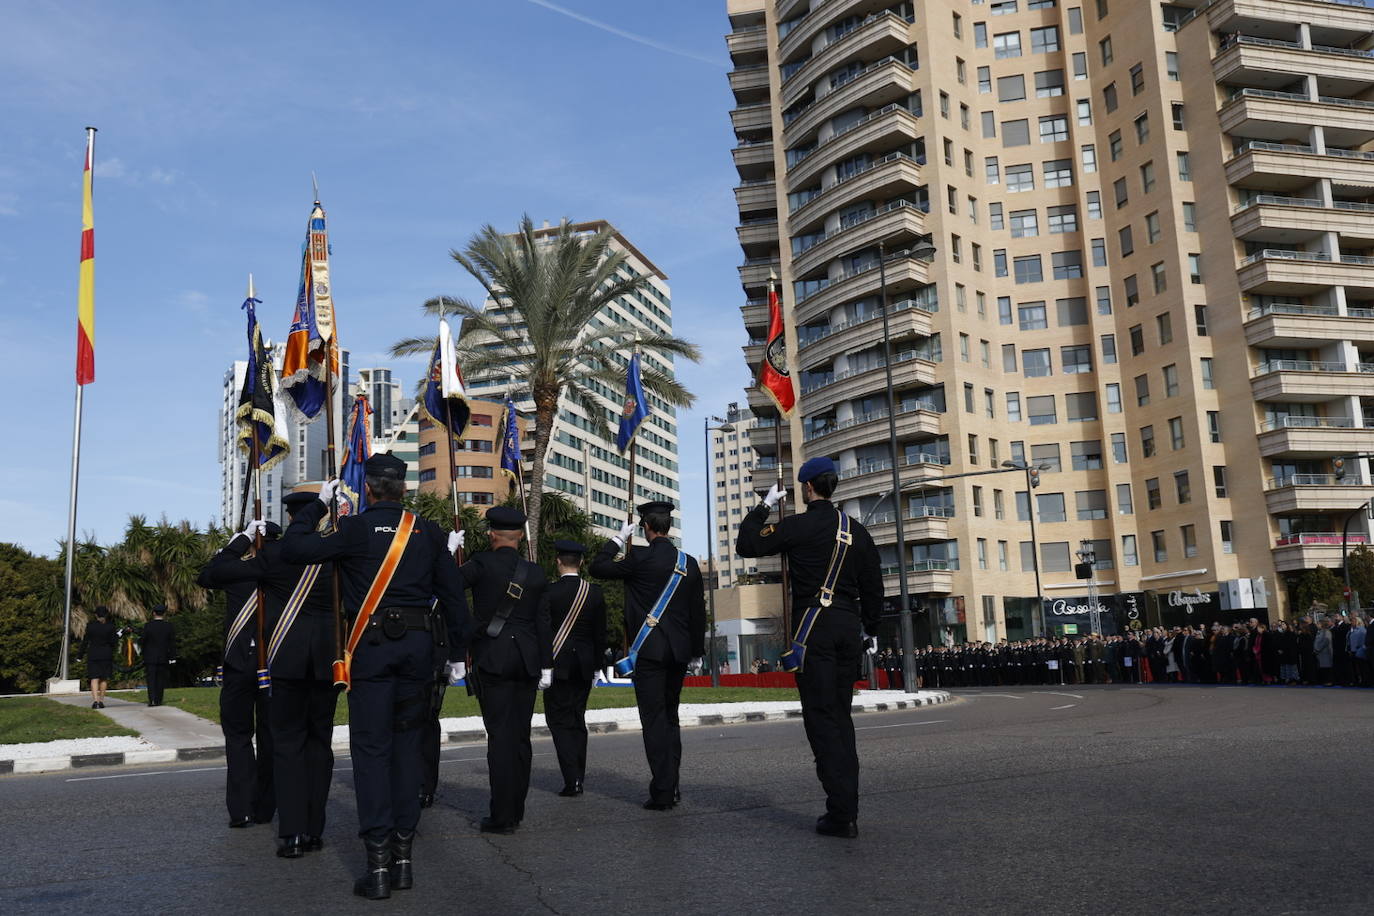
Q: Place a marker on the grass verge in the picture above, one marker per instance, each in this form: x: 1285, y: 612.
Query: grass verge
x: 24, y: 720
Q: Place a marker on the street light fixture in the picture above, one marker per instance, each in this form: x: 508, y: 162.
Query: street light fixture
x: 726, y: 426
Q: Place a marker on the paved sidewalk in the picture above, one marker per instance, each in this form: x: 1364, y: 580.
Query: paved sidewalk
x: 165, y: 726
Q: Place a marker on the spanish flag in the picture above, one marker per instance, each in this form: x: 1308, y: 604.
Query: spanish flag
x: 85, y: 297
x: 774, y: 375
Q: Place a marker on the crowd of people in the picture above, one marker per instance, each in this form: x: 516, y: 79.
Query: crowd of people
x: 1318, y: 651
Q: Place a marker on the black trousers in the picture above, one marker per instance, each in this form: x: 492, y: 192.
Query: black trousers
x: 826, y: 685
x: 302, y: 716
x: 507, y: 707
x: 565, y: 711
x: 429, y: 746
x: 658, y: 691
x: 386, y: 709
x: 157, y: 682
x: 243, y: 716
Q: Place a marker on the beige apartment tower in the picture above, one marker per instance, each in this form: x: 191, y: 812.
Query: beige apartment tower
x: 1153, y: 278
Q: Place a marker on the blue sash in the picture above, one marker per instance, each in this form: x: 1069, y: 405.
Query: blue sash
x: 626, y: 666
x: 794, y: 659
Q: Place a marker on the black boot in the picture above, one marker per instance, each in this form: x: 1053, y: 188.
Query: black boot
x: 375, y: 884
x: 401, y: 877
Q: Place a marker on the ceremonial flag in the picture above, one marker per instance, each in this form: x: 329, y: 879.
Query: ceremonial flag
x: 352, y: 495
x: 312, y: 352
x: 510, y: 443
x: 774, y: 375
x: 257, y: 411
x: 636, y: 406
x: 85, y: 296
x: 444, y: 396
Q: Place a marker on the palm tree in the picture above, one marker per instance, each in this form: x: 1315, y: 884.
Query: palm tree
x: 552, y: 287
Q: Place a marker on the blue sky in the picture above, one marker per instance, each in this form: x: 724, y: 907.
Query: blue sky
x: 423, y: 121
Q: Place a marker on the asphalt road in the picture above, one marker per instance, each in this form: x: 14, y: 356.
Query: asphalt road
x: 1082, y: 800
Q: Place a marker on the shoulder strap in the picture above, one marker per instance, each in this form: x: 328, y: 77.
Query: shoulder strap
x: 292, y: 609
x: 380, y: 582
x: 515, y: 590
x: 843, y: 538
x: 245, y: 614
x: 579, y: 601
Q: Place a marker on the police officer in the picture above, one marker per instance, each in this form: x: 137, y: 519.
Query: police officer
x: 391, y: 662
x: 838, y: 638
x: 512, y: 658
x: 574, y: 663
x: 159, y: 652
x: 249, y: 790
x: 678, y: 638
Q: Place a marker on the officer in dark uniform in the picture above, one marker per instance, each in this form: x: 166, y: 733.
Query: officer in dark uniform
x: 838, y: 638
x: 159, y: 649
x: 391, y: 666
x: 99, y: 645
x: 677, y: 639
x: 249, y: 790
x: 512, y: 658
x: 574, y: 665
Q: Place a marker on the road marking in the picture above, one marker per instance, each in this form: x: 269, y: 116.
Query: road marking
x: 1065, y: 706
x: 900, y: 724
x: 1054, y: 694
x: 152, y: 773
x: 1006, y: 695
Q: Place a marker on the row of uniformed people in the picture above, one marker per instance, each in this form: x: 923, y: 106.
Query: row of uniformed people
x: 1082, y: 660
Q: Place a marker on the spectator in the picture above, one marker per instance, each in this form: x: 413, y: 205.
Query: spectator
x: 1321, y: 647
x: 1358, y: 652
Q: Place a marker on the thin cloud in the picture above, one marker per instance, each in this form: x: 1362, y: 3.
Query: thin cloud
x: 631, y: 36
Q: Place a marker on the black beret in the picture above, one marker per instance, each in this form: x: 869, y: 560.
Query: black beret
x: 385, y: 464
x: 159, y: 609
x: 656, y: 506
x: 273, y: 530
x: 294, y: 502
x: 504, y: 518
x: 568, y: 547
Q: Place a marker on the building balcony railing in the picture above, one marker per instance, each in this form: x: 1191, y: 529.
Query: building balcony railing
x: 1354, y: 17
x: 1314, y: 480
x: 895, y: 307
x: 1269, y: 114
x: 890, y: 78
x: 906, y: 276
x: 1332, y: 539
x: 883, y: 177
x: 751, y: 117
x: 907, y: 368
x: 908, y: 319
x: 876, y: 133
x: 922, y: 459
x: 1314, y: 437
x: 885, y: 27
x: 1308, y: 365
x: 1285, y: 272
x: 1308, y: 493
x: 1292, y: 422
x: 747, y: 40
x: 889, y: 221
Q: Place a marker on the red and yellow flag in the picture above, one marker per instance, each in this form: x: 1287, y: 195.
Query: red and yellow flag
x: 774, y: 375
x: 85, y: 297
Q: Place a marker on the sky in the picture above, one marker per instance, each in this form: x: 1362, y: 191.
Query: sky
x: 423, y: 121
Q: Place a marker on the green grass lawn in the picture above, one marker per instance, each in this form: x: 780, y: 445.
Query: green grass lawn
x: 204, y: 701
x: 29, y: 719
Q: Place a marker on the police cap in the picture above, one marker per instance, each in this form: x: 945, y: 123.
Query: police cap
x: 814, y: 468
x: 385, y: 465
x: 504, y: 518
x: 294, y: 502
x: 568, y: 547
x: 657, y: 505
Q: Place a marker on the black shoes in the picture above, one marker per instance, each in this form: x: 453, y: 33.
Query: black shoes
x: 95, y: 705
x: 490, y: 826
x: 572, y: 789
x: 375, y: 884
x: 313, y: 844
x: 100, y: 705
x: 291, y: 847
x: 241, y: 822
x: 829, y: 826
x: 402, y: 879
x: 652, y: 805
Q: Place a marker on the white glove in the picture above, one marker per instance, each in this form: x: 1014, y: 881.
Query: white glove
x: 328, y: 490
x: 697, y: 663
x: 545, y: 678
x: 255, y: 527
x: 456, y: 672
x: 627, y: 531
x: 870, y: 644
x: 455, y: 540
x: 775, y: 495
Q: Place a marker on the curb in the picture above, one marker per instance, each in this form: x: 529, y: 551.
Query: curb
x: 470, y: 736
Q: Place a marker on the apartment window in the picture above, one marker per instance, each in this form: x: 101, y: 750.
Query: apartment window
x: 1129, y: 556
x: 1165, y: 326
x: 1046, y: 456
x: 1137, y: 79
x: 1142, y: 128
x: 1008, y: 357
x: 1016, y: 133
x: 963, y: 347
x: 956, y: 249
x: 952, y: 198
x: 1219, y: 480
x: 989, y: 408
x: 976, y: 249
x: 1075, y: 20
x: 982, y: 548
x: 1099, y: 250
x: 949, y: 151
x: 1153, y: 500
x: 1105, y: 46
x: 1080, y: 65
x: 1011, y: 88
x: 1024, y: 224
x: 1205, y: 371
x: 1109, y: 351
x: 1182, y: 489
x: 991, y: 171
x: 1062, y: 219
x: 1014, y: 406
x: 944, y: 104
x: 980, y: 33
x: 1045, y: 40
x: 981, y: 297
x: 1113, y: 397
x: 999, y: 509
x: 1225, y: 529
x: 1049, y: 84
x: 984, y: 79
x: 1171, y: 65
x: 1142, y: 390
x: 1126, y: 239
x: 1170, y: 381
x: 1195, y: 268
x: 1076, y: 359
x: 1132, y: 287
x: 1087, y: 455
x: 999, y: 262
x: 1161, y: 550
x: 1176, y: 109
x: 1054, y: 128
x: 1049, y: 507
x: 988, y: 122
x: 1147, y: 177
x: 1114, y: 145
x: 1176, y: 433
x: 1214, y: 425
x: 1152, y: 227
x: 985, y: 354
x: 1147, y: 444
x: 1081, y: 407
x: 1041, y: 409
x: 995, y: 216
x: 1124, y: 503
x: 1088, y: 156
x: 1006, y: 44
x: 1032, y: 316
x: 1072, y: 311
x: 1109, y: 97
x: 1185, y: 169
x: 1119, y: 448
x: 1094, y: 199
x: 1090, y: 504
x: 1137, y: 335
x: 1028, y: 269
x: 959, y: 27
x: 1120, y: 192
x: 972, y: 449
x: 1189, y: 216
x: 1036, y: 363
x: 1002, y: 555
x: 1200, y: 320
x: 1104, y: 300
x: 1004, y: 307
x: 1020, y: 177
x: 1158, y: 277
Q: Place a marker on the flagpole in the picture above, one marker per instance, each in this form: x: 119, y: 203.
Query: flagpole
x: 331, y: 472
x: 782, y: 512
x: 256, y: 458
x: 453, y: 476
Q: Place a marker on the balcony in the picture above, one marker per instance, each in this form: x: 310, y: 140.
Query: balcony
x: 1297, y: 326
x: 763, y: 435
x: 1315, y: 493
x: 750, y: 83
x: 926, y: 577
x: 751, y: 118
x: 1310, y: 381
x: 754, y: 233
x: 1332, y: 22
x: 874, y: 476
x: 1288, y: 166
x: 1264, y: 114
x: 920, y: 525
x: 905, y: 275
x: 1271, y: 63
x: 756, y: 271
x: 898, y: 218
x: 1294, y: 220
x: 746, y: 42
x: 913, y: 423
x: 1308, y: 551
x: 754, y: 314
x: 876, y: 132
x: 1314, y: 437
x: 1301, y: 273
x: 908, y: 371
x: 822, y: 14
x: 884, y: 179
x: 883, y: 83
x: 882, y: 34
x: 752, y: 156
x: 908, y: 318
x: 759, y: 194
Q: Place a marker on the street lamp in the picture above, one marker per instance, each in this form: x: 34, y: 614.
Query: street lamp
x: 924, y: 251
x: 724, y: 427
x: 1030, y: 510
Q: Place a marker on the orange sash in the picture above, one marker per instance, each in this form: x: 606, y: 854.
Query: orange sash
x: 375, y: 592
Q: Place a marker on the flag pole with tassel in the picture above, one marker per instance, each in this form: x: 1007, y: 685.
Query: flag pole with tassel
x: 775, y: 378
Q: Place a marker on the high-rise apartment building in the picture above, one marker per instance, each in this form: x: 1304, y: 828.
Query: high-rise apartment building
x: 732, y: 487
x: 579, y: 463
x: 1153, y: 279
x: 476, y: 456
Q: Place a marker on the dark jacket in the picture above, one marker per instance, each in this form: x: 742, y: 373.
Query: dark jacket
x: 426, y: 570
x: 585, y: 644
x: 681, y: 632
x: 808, y: 539
x: 100, y: 641
x: 525, y: 642
x: 159, y: 642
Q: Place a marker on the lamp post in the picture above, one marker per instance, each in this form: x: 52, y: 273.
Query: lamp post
x: 924, y: 251
x: 1030, y: 510
x: 714, y: 580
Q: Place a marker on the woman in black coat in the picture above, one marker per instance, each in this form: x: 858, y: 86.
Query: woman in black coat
x: 99, y: 647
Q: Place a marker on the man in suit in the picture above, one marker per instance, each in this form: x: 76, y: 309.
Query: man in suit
x: 159, y: 651
x: 391, y: 666
x: 512, y: 658
x: 577, y: 614
x: 249, y: 792
x: 840, y: 634
x: 99, y: 646
x: 675, y: 639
